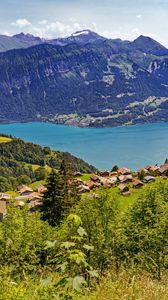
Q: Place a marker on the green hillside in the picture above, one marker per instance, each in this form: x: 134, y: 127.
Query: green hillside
x: 22, y: 162
x: 66, y: 245
x: 109, y: 247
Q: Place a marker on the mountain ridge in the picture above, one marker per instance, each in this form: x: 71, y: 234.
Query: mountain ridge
x: 100, y: 83
x: 82, y: 37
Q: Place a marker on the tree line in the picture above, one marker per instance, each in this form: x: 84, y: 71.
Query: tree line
x: 17, y: 159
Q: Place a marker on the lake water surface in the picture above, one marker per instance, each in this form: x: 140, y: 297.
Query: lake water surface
x: 132, y: 146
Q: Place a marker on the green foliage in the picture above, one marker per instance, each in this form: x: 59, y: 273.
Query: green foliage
x: 99, y: 217
x: 125, y: 243
x: 40, y: 173
x: 23, y: 179
x: 115, y: 168
x: 146, y: 230
x: 124, y: 285
x: 18, y: 157
x: 70, y: 186
x: 22, y: 239
x: 141, y: 175
x: 61, y: 196
x: 52, y: 208
x: 71, y: 259
x: 4, y: 184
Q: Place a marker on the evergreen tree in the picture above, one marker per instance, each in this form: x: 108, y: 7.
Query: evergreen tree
x: 71, y: 186
x: 62, y: 194
x: 65, y: 174
x: 53, y: 202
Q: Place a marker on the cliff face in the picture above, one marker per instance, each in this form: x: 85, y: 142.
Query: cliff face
x: 113, y: 82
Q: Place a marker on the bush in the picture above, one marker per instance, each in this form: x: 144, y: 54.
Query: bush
x: 146, y: 230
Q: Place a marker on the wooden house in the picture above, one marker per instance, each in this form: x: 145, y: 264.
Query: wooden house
x: 123, y: 188
x: 24, y: 190
x: 124, y: 171
x: 149, y: 179
x: 137, y: 184
x: 41, y: 189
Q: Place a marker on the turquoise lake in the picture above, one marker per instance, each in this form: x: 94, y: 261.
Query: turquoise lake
x: 132, y: 146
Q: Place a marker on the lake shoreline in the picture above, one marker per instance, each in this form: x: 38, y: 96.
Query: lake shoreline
x: 75, y: 124
x: 129, y: 146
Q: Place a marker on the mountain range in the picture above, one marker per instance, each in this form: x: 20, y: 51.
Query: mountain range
x: 84, y: 79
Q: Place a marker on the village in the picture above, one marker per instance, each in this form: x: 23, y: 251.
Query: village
x: 124, y: 178
x: 121, y: 178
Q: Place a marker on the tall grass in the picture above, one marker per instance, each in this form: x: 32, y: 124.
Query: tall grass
x: 125, y: 286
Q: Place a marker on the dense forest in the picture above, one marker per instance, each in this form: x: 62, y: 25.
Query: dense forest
x: 94, y: 246
x: 23, y: 163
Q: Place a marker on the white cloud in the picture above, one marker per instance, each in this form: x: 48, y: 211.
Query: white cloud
x: 6, y: 33
x: 47, y: 29
x: 55, y: 29
x: 94, y: 26
x: 125, y: 35
x: 21, y: 23
x: 136, y: 31
x: 77, y: 26
x: 139, y: 17
x: 72, y: 20
x: 43, y: 22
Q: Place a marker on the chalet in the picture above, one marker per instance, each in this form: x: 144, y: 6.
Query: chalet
x: 19, y: 203
x: 41, y: 189
x: 24, y: 190
x: 34, y: 205
x: 5, y: 196
x: 95, y: 178
x: 149, y: 179
x: 29, y: 197
x: 153, y: 169
x: 137, y: 184
x: 113, y: 179
x: 114, y: 173
x: 163, y: 170
x: 123, y: 188
x: 143, y: 171
x: 77, y: 174
x: 125, y: 178
x: 105, y: 182
x: 84, y: 189
x: 3, y: 210
x: 105, y: 173
x: 124, y: 171
x: 91, y: 185
x: 35, y: 196
x: 147, y: 167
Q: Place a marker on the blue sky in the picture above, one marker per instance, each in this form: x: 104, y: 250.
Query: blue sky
x: 125, y: 19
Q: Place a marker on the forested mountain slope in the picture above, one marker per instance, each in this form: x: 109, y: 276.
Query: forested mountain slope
x: 20, y: 162
x: 99, y: 83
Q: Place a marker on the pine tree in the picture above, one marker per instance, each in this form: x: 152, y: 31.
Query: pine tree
x: 65, y: 174
x: 53, y: 202
x: 62, y: 194
x: 71, y: 186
